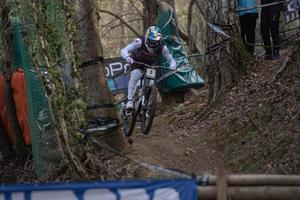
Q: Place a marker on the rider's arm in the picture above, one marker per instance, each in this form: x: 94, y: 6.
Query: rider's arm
x: 166, y: 53
x: 137, y: 43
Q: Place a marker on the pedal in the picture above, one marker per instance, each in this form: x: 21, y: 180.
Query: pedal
x: 127, y: 113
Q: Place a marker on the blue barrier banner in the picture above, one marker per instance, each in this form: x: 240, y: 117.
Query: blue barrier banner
x: 116, y: 71
x: 109, y: 190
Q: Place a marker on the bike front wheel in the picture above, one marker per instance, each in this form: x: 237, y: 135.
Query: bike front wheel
x: 129, y: 120
x: 148, y: 110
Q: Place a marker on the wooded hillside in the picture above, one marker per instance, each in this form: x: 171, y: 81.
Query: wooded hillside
x: 54, y: 84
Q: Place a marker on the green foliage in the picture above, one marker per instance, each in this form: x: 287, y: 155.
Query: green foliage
x: 180, y: 109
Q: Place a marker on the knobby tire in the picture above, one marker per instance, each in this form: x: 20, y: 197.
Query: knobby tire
x: 146, y: 121
x: 129, y: 125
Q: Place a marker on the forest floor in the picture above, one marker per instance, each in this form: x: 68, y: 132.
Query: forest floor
x: 253, y: 128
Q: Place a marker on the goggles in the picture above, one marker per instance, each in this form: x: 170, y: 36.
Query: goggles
x: 153, y: 43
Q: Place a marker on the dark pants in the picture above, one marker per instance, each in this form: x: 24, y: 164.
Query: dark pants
x: 248, y: 24
x: 269, y: 28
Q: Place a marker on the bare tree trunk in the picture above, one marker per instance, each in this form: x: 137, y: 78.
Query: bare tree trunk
x: 150, y: 12
x: 93, y: 76
x: 221, y: 69
x: 191, y: 48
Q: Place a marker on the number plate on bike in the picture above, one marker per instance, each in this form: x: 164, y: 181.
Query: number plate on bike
x: 150, y: 73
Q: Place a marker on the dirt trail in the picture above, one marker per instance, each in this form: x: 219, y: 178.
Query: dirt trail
x: 175, y: 140
x: 179, y: 140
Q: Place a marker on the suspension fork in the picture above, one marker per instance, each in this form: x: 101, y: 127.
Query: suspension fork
x: 145, y: 86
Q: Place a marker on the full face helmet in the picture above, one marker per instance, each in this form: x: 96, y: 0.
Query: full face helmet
x: 153, y: 38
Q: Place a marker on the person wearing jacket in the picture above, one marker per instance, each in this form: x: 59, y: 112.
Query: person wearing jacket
x: 146, y: 49
x: 248, y: 18
x: 269, y: 28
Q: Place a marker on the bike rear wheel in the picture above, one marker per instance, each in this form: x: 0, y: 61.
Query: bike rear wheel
x: 148, y: 109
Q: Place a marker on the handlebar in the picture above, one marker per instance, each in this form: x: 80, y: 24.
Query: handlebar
x: 158, y: 66
x: 146, y: 65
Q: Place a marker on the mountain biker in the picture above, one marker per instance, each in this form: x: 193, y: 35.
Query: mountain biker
x: 146, y: 49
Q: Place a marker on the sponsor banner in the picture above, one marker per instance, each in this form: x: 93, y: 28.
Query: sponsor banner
x: 292, y: 10
x: 117, y: 74
x: 110, y: 190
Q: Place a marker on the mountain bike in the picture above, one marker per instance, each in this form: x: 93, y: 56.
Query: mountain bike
x: 144, y: 102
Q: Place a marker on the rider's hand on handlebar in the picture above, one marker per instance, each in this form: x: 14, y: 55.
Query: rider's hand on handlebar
x: 172, y: 67
x: 129, y: 60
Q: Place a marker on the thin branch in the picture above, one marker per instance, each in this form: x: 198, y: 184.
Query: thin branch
x: 200, y: 10
x: 283, y: 67
x: 119, y: 18
x: 185, y: 37
x: 117, y: 25
x: 83, y: 18
x: 111, y: 21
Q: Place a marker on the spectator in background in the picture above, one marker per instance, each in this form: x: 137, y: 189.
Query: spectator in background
x: 248, y: 22
x: 269, y: 28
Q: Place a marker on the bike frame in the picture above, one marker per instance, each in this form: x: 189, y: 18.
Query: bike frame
x: 145, y: 81
x: 140, y: 99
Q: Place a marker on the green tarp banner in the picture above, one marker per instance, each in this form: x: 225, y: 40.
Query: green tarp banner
x: 44, y: 145
x: 185, y: 77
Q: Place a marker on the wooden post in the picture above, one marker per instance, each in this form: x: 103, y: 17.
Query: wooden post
x: 252, y: 193
x: 258, y: 180
x: 250, y: 187
x: 221, y: 185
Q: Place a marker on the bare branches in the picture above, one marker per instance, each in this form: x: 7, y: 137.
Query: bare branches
x: 121, y: 20
x: 117, y: 17
x: 104, y: 33
x: 186, y: 38
x: 111, y: 21
x: 200, y: 10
